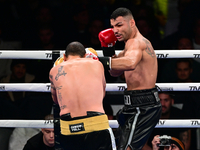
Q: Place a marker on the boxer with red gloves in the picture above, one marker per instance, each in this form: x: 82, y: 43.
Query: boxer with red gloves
x: 138, y: 63
x: 108, y: 40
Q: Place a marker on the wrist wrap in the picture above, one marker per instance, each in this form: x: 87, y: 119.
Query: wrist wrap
x: 106, y: 61
x: 108, y: 51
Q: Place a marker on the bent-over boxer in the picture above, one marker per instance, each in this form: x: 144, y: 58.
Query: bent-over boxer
x: 78, y: 87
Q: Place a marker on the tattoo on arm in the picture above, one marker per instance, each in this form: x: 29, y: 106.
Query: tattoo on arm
x: 53, y: 87
x: 53, y: 93
x: 60, y: 73
x: 50, y: 77
x: 149, y: 48
x: 60, y: 98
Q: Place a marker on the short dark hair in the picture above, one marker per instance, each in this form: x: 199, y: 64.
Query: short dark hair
x: 122, y: 11
x: 49, y: 117
x: 75, y: 48
x: 171, y: 95
x: 18, y: 61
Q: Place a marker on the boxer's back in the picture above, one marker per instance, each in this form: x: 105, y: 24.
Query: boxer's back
x: 80, y: 85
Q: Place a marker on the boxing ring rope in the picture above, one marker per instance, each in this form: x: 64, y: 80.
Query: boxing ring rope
x: 6, y: 54
x: 45, y: 87
x: 186, y: 123
x: 163, y: 53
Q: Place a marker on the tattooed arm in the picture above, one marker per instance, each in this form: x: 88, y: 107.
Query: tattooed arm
x: 149, y: 49
x: 53, y: 90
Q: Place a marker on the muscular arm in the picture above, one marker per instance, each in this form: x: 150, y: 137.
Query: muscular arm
x: 116, y: 73
x: 53, y: 90
x: 132, y: 56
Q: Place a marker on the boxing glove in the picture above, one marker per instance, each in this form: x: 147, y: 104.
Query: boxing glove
x: 108, y: 40
x: 106, y: 61
x: 91, y: 53
x: 58, y: 61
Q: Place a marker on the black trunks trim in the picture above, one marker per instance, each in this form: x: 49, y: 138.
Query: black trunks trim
x: 141, y: 97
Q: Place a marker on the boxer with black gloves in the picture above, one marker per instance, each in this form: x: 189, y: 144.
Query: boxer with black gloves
x: 138, y: 62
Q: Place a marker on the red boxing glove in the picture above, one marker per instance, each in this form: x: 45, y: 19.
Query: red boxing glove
x: 107, y: 38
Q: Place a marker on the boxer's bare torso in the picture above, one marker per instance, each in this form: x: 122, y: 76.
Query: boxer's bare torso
x: 78, y: 86
x: 137, y: 61
x: 144, y: 74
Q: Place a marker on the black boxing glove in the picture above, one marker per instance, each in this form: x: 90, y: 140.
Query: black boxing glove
x: 106, y: 61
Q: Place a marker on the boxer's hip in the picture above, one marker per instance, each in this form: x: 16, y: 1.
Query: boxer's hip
x: 94, y: 121
x: 141, y: 97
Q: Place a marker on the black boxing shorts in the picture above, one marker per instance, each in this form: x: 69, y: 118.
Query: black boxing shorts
x: 91, y: 132
x: 137, y: 119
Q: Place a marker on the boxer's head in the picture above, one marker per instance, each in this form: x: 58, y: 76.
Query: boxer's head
x: 74, y: 49
x: 123, y: 24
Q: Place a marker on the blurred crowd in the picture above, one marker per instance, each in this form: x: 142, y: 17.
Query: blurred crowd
x: 53, y: 24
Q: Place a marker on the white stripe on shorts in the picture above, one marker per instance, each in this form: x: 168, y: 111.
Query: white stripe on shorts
x: 112, y: 139
x: 133, y: 127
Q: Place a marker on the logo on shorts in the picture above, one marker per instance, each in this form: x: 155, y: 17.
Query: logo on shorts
x: 166, y: 89
x: 127, y: 100
x: 76, y: 127
x: 162, y: 55
x: 2, y: 88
